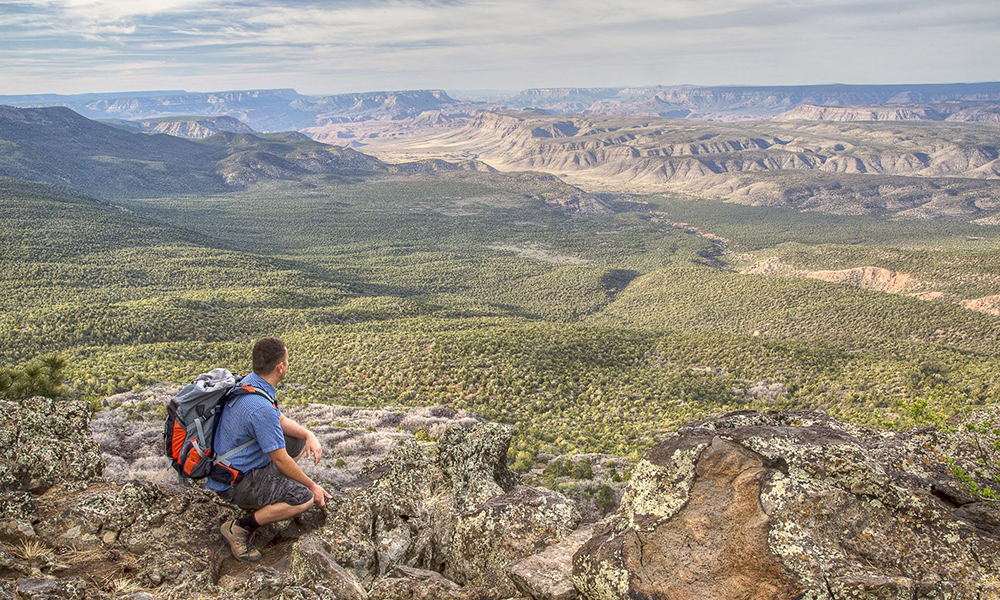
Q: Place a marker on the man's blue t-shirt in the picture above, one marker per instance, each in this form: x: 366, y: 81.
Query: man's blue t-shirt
x: 250, y: 418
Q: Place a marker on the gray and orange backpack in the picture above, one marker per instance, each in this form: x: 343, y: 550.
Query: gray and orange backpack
x: 192, y: 416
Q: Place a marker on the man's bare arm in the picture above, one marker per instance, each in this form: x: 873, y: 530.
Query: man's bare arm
x: 287, y: 465
x: 292, y: 429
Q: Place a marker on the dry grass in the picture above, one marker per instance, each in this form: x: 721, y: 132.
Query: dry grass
x: 76, y: 557
x: 30, y: 550
x: 122, y: 585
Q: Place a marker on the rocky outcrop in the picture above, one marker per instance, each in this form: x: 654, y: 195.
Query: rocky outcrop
x: 780, y: 505
x: 464, y: 514
x: 43, y: 442
x: 877, y: 279
x: 795, y: 504
x: 423, y: 521
x: 987, y: 304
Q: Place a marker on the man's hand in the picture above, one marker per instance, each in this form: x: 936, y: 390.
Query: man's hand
x: 320, y: 495
x: 313, y: 448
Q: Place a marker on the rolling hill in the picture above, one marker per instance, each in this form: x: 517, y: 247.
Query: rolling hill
x: 56, y: 145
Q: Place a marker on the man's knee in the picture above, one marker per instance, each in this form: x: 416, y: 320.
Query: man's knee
x: 295, y: 447
x: 301, y: 508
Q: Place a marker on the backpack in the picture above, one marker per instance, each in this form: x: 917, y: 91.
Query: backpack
x: 192, y: 416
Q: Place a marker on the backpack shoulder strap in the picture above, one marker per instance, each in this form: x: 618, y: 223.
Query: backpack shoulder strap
x: 246, y: 390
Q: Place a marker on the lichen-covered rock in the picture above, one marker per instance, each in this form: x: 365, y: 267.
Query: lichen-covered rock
x: 475, y: 459
x: 462, y: 514
x: 312, y: 567
x: 504, y: 529
x: 402, y: 515
x: 407, y: 583
x: 38, y: 588
x: 174, y: 537
x: 547, y: 575
x: 795, y: 504
x: 43, y: 442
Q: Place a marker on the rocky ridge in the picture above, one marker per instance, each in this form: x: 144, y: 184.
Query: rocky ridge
x: 185, y: 127
x: 780, y: 505
x: 263, y: 110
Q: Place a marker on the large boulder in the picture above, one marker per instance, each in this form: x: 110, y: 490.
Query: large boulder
x: 795, y: 504
x: 43, y: 442
x: 499, y: 520
x: 475, y: 460
x: 401, y: 514
x: 505, y: 529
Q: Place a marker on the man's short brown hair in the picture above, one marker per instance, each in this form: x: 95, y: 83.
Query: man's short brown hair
x: 267, y: 354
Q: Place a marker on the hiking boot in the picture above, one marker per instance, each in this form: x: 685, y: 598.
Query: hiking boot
x: 239, y: 541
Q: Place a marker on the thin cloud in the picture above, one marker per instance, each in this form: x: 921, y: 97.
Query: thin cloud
x: 324, y: 47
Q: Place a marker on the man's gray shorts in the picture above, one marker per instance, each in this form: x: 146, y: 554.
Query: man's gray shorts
x: 268, y: 485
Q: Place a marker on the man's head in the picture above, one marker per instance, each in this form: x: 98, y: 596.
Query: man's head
x: 270, y: 358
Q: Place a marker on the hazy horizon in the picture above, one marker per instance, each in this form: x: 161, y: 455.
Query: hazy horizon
x: 457, y: 93
x: 113, y: 46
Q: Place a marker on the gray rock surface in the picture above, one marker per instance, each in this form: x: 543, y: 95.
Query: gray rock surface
x: 547, y: 575
x: 795, y: 504
x: 44, y: 442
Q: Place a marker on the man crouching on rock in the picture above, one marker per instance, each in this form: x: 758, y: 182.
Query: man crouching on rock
x: 270, y: 483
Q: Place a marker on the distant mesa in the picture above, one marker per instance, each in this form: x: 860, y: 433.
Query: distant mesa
x: 970, y: 112
x: 286, y: 109
x: 261, y: 110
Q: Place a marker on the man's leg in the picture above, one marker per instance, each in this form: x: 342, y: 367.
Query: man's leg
x: 272, y: 496
x: 281, y: 511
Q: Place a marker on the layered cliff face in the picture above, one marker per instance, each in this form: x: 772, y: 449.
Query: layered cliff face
x: 747, y: 505
x: 975, y: 112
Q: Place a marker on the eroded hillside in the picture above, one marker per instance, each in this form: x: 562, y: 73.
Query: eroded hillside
x: 909, y: 170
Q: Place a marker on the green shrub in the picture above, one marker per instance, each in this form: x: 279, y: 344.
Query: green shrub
x: 41, y: 377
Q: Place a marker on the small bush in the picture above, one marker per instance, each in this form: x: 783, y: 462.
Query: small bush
x: 605, y: 498
x: 41, y: 377
x: 523, y: 462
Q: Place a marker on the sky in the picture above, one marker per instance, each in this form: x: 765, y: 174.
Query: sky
x: 78, y: 46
